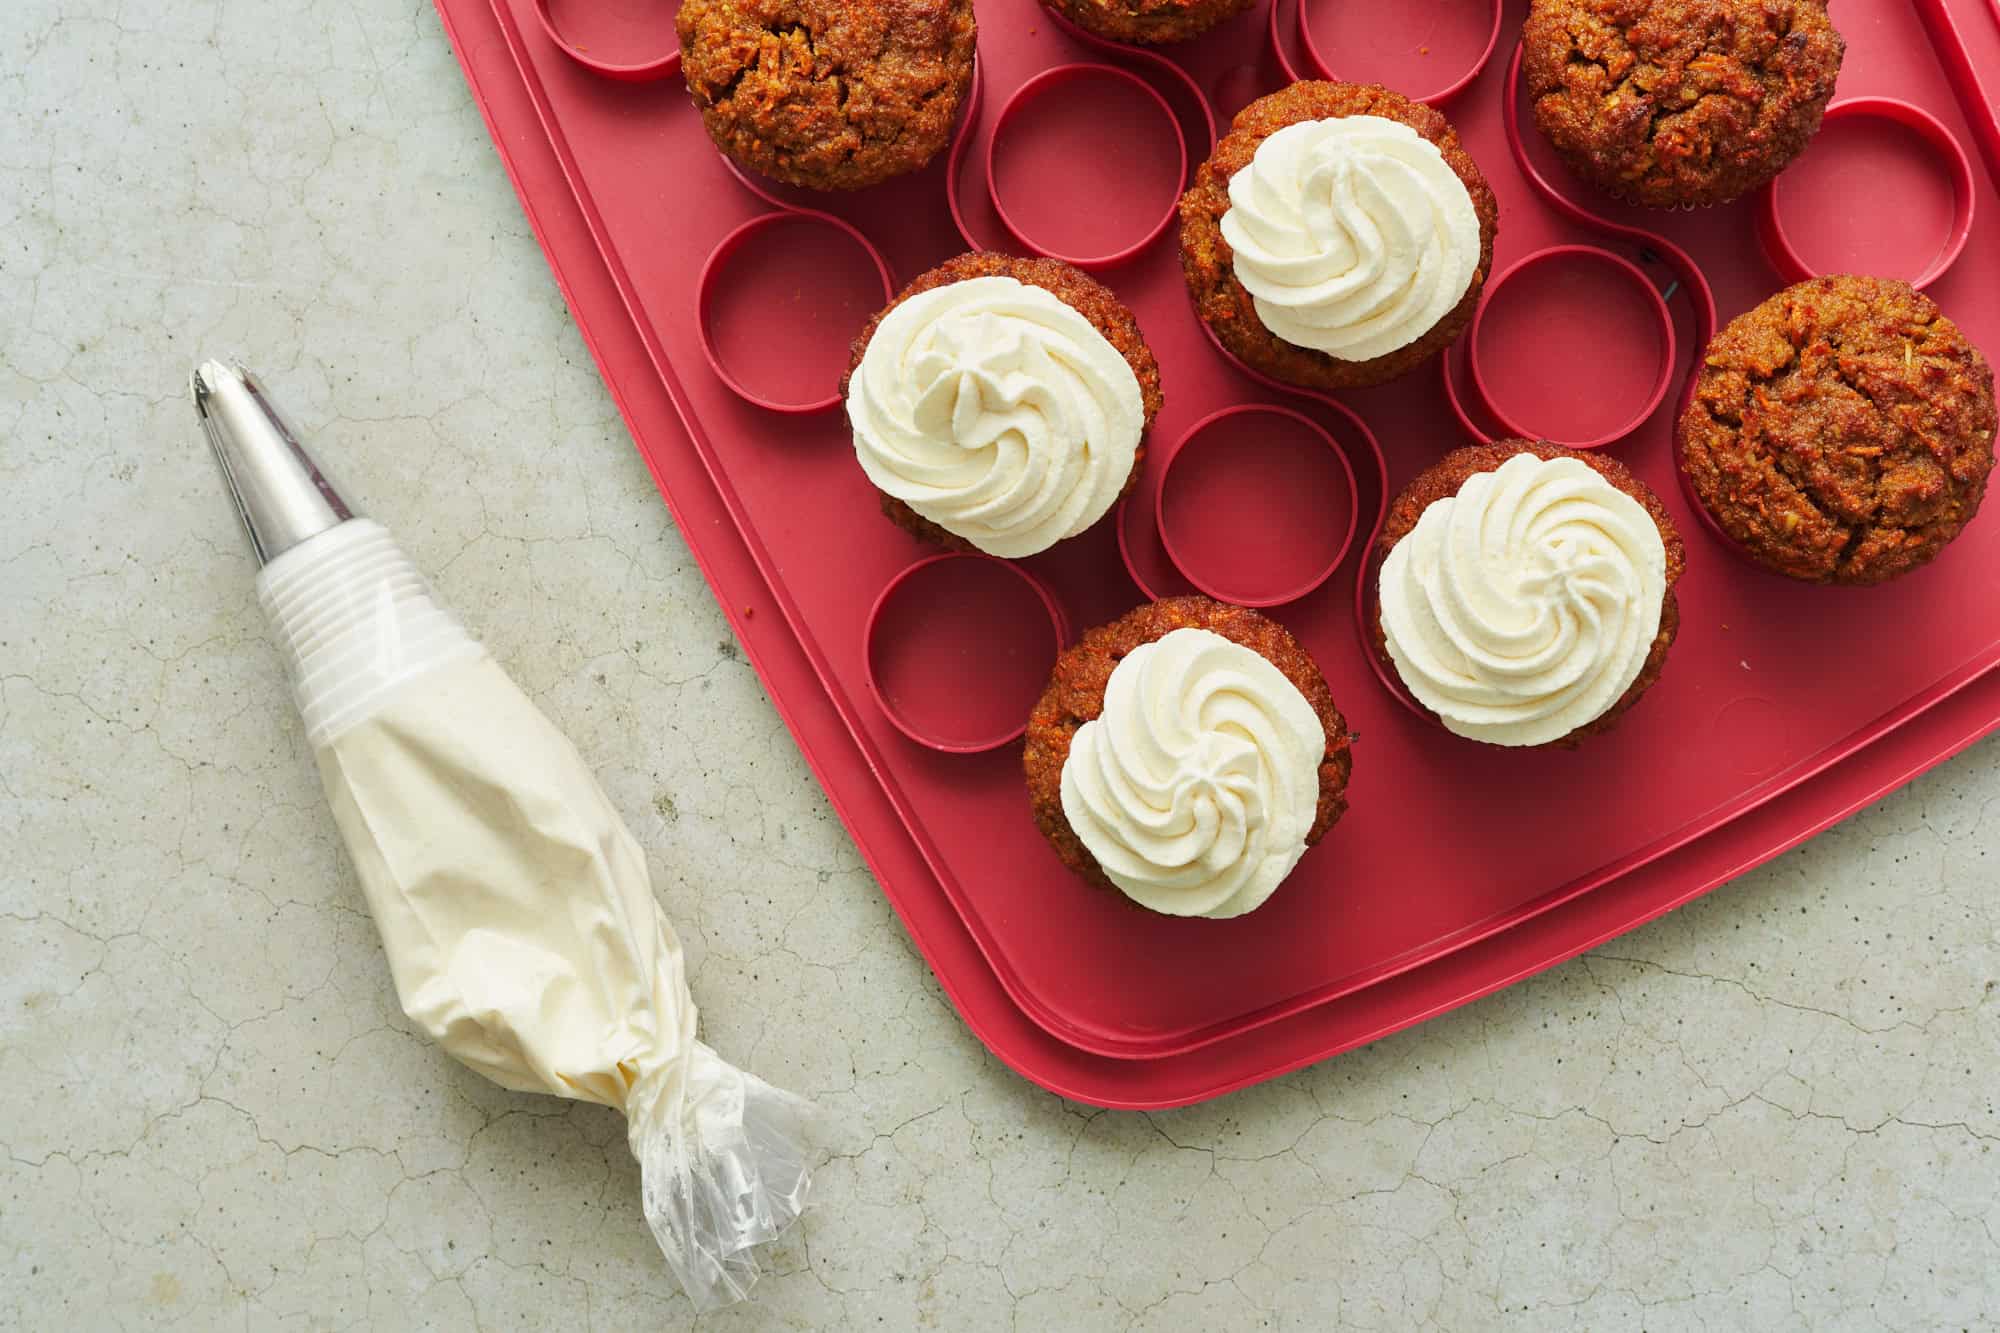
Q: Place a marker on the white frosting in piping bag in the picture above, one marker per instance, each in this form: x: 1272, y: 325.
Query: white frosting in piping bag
x: 1197, y: 785
x: 1353, y: 235
x: 997, y: 412
x: 1526, y: 605
x: 514, y: 905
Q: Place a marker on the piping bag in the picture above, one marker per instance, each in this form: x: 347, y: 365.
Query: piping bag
x: 513, y: 903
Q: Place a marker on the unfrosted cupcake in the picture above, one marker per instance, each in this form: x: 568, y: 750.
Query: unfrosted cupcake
x: 1679, y: 102
x: 1187, y: 754
x: 1526, y: 595
x: 1338, y: 236
x: 1842, y: 431
x: 828, y: 94
x: 1001, y: 404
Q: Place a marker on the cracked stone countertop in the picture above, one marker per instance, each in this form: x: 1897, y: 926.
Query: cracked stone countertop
x: 1774, y: 1109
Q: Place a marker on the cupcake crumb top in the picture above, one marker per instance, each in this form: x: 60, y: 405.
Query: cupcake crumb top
x: 1842, y: 431
x: 828, y: 94
x: 1671, y: 102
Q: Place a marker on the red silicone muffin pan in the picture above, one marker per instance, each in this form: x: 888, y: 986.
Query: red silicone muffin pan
x: 721, y: 308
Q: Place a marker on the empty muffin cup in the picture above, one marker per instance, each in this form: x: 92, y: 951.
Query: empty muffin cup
x: 630, y: 40
x: 958, y: 647
x: 1573, y: 345
x: 777, y: 303
x: 1437, y: 45
x: 1256, y: 505
x: 1871, y: 147
x: 1113, y: 142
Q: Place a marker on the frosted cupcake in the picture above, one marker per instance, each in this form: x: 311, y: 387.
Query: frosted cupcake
x: 1526, y: 595
x: 1001, y: 404
x: 1187, y: 755
x: 1338, y: 236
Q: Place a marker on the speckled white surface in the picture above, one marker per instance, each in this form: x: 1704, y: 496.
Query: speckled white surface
x: 1775, y: 1109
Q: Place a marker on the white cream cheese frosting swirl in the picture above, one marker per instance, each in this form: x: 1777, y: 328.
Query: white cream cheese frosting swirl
x: 1353, y: 235
x: 997, y: 412
x: 1526, y: 605
x: 1197, y: 785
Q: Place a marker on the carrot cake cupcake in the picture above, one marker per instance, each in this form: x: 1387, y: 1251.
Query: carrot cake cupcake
x: 828, y: 94
x: 1670, y: 102
x: 1187, y: 755
x: 1001, y: 404
x: 1526, y: 595
x: 1147, y: 20
x: 1339, y: 235
x: 1842, y: 431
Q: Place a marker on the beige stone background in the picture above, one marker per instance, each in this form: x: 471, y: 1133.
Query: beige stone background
x: 1772, y: 1110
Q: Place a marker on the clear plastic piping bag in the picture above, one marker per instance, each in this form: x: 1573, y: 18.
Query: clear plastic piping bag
x: 514, y: 904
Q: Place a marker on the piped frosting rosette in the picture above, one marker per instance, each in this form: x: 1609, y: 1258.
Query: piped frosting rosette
x: 1525, y: 606
x: 1353, y: 235
x: 997, y: 412
x: 1196, y: 787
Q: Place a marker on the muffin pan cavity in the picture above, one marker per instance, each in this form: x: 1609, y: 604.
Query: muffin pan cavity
x: 958, y: 648
x: 1256, y: 505
x: 1885, y: 148
x: 1429, y: 50
x: 1559, y: 312
x: 632, y: 41
x: 1055, y: 128
x: 826, y: 279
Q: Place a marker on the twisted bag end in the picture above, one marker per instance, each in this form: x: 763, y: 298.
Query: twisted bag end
x: 726, y: 1164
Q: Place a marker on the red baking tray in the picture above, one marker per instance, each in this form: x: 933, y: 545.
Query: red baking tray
x: 720, y: 309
